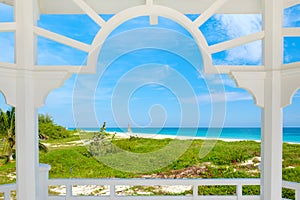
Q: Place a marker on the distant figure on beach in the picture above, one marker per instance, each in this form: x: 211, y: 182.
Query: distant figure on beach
x: 129, y: 129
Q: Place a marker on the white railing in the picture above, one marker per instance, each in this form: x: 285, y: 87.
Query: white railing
x: 112, y: 185
x: 292, y: 186
x: 6, y: 190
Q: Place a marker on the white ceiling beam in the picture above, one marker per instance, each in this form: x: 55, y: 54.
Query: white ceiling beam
x: 209, y: 12
x: 290, y: 3
x: 36, y: 10
x: 291, y: 65
x: 226, y: 69
x: 115, y: 6
x: 90, y: 12
x: 71, y: 69
x: 149, y: 2
x: 153, y: 18
x: 7, y: 27
x: 236, y: 42
x: 8, y: 65
x: 291, y: 32
x: 272, y: 22
x: 62, y: 39
x: 7, y: 2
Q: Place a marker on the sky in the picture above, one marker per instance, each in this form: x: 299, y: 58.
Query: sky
x: 152, y: 76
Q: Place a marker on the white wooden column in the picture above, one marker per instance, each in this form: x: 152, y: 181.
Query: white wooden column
x: 26, y: 140
x: 271, y: 139
x: 272, y: 90
x: 26, y: 111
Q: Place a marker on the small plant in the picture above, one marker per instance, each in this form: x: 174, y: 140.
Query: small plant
x: 100, y: 144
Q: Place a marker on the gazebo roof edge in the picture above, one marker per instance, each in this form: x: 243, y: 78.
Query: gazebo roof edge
x: 115, y: 6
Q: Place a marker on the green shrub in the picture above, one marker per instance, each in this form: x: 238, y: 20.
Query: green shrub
x: 49, y: 130
x: 53, y: 131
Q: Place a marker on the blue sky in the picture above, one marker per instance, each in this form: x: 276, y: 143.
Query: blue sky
x: 152, y: 75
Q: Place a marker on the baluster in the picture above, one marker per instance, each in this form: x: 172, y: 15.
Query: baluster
x: 195, y: 191
x: 7, y: 195
x: 239, y: 191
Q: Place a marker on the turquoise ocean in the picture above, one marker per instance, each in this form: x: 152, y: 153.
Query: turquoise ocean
x: 289, y: 134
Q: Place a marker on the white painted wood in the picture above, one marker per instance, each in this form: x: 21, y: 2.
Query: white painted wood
x: 227, y: 69
x: 8, y: 65
x: 61, y: 39
x: 116, y: 6
x: 290, y: 3
x: 43, y: 181
x: 27, y: 91
x: 289, y: 185
x: 271, y: 139
x: 149, y: 2
x: 209, y: 12
x: 153, y: 18
x: 138, y: 11
x: 293, y: 186
x: 291, y: 65
x: 25, y: 47
x: 291, y: 32
x: 36, y: 10
x: 6, y: 189
x: 45, y: 82
x: 273, y: 28
x: 90, y: 12
x: 71, y: 69
x: 195, y: 190
x: 253, y: 82
x: 8, y: 2
x: 26, y: 111
x: 28, y: 87
x: 8, y: 86
x: 112, y: 191
x: 236, y: 42
x: 7, y: 26
x: 212, y: 197
x: 26, y: 140
x: 68, y: 190
x: 151, y: 182
x: 290, y: 84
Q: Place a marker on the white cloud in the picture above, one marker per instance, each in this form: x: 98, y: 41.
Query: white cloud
x: 7, y: 47
x: 237, y: 26
x: 220, y: 80
x: 150, y: 38
x: 146, y: 74
x: 291, y: 16
x: 238, y: 96
x: 225, y: 97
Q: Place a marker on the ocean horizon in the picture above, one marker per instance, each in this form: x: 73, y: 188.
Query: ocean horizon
x: 290, y: 134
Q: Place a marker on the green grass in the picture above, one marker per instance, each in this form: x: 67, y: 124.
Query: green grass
x: 7, y: 169
x: 77, y: 162
x: 223, y: 161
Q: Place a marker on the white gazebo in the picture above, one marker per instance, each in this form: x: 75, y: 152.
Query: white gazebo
x: 26, y: 85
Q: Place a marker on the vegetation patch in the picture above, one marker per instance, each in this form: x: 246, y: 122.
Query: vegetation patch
x: 69, y: 158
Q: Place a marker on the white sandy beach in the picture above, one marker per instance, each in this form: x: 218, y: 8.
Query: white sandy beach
x: 164, y: 136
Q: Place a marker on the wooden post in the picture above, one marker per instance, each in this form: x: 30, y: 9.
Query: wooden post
x: 26, y: 110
